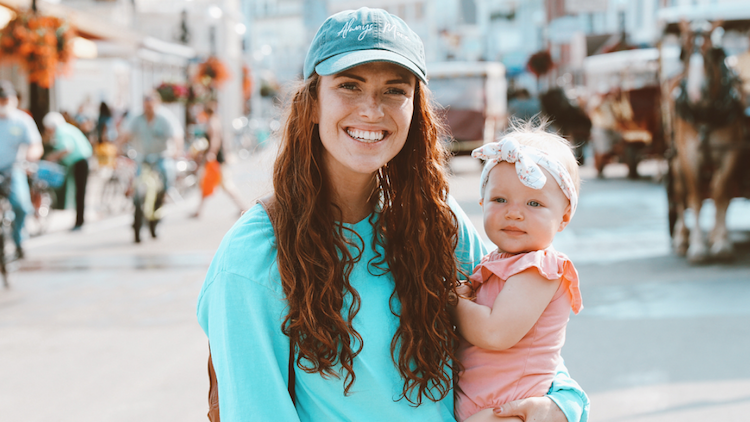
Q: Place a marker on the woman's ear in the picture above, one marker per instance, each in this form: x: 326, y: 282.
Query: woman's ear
x: 565, y: 219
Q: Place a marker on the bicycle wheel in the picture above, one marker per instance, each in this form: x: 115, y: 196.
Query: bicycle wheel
x: 42, y: 200
x: 3, y: 269
x: 5, y: 224
x: 113, y: 199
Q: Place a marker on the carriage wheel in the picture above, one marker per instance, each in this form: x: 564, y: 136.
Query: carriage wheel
x: 632, y: 158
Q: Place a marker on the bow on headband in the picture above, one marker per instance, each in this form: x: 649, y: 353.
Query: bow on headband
x: 528, y: 161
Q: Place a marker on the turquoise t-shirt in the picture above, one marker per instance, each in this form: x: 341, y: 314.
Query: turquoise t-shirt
x: 241, y: 308
x: 71, y: 139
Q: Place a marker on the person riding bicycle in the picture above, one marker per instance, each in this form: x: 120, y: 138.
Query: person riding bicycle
x: 17, y: 130
x: 155, y: 138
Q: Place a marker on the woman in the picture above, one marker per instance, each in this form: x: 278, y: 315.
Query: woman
x: 357, y: 268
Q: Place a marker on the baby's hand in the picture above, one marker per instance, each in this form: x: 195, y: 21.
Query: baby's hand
x: 464, y: 289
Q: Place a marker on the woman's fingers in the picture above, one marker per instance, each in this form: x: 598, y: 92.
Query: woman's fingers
x: 533, y: 409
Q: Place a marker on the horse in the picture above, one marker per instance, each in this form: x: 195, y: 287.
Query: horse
x: 707, y: 130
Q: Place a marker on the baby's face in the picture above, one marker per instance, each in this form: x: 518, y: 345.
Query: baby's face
x: 518, y: 218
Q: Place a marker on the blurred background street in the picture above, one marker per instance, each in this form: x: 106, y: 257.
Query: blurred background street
x: 95, y: 327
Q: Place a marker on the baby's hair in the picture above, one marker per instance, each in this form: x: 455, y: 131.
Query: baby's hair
x: 534, y: 133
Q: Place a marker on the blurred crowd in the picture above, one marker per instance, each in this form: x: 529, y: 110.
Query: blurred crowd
x: 50, y: 168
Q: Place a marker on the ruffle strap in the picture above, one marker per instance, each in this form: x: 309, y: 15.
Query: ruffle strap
x: 551, y: 264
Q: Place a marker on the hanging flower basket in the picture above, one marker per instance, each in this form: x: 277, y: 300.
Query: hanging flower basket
x: 172, y: 92
x: 540, y: 63
x: 40, y: 44
x: 212, y: 73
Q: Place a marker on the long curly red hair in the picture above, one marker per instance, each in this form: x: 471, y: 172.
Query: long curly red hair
x: 415, y: 226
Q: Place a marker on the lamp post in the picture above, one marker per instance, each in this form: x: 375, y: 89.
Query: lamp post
x: 38, y: 96
x: 622, y: 6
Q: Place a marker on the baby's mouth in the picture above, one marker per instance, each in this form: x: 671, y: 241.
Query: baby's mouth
x: 366, y: 135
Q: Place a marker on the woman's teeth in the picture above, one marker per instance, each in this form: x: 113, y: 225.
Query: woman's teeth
x: 366, y: 136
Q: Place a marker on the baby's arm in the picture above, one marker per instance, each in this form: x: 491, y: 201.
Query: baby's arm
x: 487, y: 415
x: 515, y: 310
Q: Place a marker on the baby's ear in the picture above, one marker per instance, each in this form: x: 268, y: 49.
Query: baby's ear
x: 481, y: 202
x: 565, y: 219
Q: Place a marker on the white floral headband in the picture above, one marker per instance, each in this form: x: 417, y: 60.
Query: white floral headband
x: 527, y: 160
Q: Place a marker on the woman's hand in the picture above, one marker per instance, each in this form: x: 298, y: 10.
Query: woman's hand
x: 533, y: 409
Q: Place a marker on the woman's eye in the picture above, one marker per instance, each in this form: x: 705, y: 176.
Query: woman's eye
x: 534, y: 204
x: 348, y: 86
x: 396, y: 91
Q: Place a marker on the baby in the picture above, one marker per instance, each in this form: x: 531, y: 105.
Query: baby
x: 514, y: 330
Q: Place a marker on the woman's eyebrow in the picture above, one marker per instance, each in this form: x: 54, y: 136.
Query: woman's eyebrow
x: 400, y: 79
x: 346, y: 74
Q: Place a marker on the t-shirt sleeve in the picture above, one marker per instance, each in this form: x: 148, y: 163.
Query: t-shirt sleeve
x: 569, y: 397
x: 241, y: 311
x: 250, y: 354
x: 470, y: 249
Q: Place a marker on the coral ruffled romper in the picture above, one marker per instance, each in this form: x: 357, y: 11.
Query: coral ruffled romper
x: 492, y: 378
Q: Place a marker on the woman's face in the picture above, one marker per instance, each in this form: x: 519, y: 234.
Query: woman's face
x: 363, y: 115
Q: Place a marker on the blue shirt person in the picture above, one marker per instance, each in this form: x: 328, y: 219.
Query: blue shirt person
x: 17, y: 132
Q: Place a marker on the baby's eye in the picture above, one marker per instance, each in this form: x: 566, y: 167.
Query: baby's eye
x: 499, y: 200
x: 534, y: 204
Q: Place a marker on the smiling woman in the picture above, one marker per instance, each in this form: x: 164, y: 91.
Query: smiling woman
x: 350, y: 265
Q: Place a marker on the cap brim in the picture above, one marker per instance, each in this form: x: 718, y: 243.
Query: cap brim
x: 351, y: 59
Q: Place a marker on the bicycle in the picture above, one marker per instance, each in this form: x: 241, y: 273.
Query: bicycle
x: 116, y: 195
x: 148, y: 196
x: 44, y: 178
x: 6, y: 220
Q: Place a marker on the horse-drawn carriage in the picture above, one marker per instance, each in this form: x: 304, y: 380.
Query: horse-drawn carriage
x: 626, y: 79
x: 706, y: 126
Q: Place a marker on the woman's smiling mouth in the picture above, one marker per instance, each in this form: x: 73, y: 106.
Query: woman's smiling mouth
x: 366, y: 135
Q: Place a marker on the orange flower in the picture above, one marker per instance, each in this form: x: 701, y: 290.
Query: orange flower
x: 40, y: 43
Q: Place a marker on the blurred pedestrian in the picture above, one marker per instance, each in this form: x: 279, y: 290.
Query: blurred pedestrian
x: 106, y: 134
x: 522, y: 106
x: 71, y: 148
x: 213, y: 160
x: 742, y: 67
x: 349, y: 267
x: 514, y: 329
x: 17, y: 131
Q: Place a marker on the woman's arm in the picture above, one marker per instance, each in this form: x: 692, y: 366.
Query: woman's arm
x: 250, y: 353
x: 515, y: 310
x: 565, y: 402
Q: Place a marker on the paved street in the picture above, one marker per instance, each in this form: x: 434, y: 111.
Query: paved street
x: 96, y: 328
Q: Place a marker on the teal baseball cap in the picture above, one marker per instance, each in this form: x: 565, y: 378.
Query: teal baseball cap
x: 354, y: 37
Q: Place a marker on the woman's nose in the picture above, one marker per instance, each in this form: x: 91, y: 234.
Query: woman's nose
x: 372, y: 107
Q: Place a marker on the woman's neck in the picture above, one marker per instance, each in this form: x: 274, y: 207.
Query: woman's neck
x: 353, y: 196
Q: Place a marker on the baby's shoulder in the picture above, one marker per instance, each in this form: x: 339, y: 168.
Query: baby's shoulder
x: 550, y: 263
